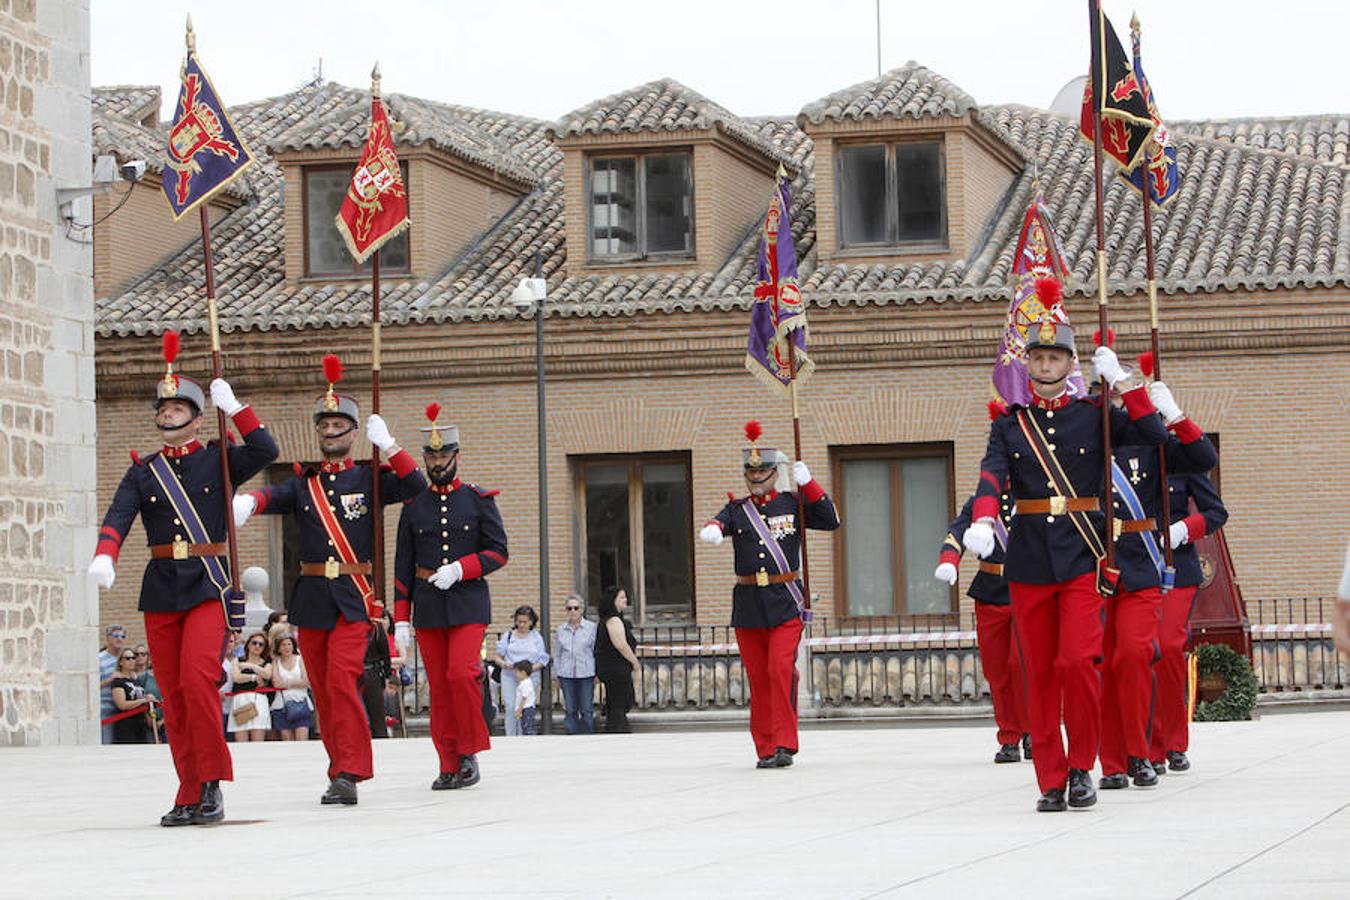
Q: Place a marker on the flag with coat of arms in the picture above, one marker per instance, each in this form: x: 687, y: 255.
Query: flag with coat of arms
x: 778, y: 316
x: 376, y: 206
x: 1158, y: 168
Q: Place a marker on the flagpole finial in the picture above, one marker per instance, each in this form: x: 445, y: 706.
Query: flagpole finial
x: 1036, y: 174
x: 782, y: 171
x: 1134, y: 22
x: 191, y: 36
x: 375, y: 81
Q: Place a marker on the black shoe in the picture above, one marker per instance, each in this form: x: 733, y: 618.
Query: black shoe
x: 1081, y: 792
x: 1159, y: 767
x: 1052, y: 801
x: 782, y: 758
x: 1141, y: 771
x: 767, y: 762
x: 445, y: 781
x: 1008, y: 753
x: 468, y: 775
x: 1177, y: 761
x: 1114, y: 782
x: 181, y: 814
x: 341, y: 790
x: 1026, y: 746
x: 211, y: 810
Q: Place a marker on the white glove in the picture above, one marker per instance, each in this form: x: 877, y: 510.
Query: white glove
x: 800, y: 473
x: 378, y: 433
x: 244, y: 505
x: 946, y: 572
x: 222, y: 395
x: 402, y: 637
x: 711, y: 533
x: 1178, y: 534
x: 979, y: 539
x: 1164, y: 402
x: 101, y: 571
x: 1107, y: 366
x: 447, y: 575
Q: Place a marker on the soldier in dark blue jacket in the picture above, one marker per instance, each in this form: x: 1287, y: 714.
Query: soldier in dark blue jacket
x: 1050, y: 454
x: 1129, y: 646
x: 450, y: 537
x: 1196, y: 511
x: 767, y: 603
x: 178, y: 494
x: 332, y: 603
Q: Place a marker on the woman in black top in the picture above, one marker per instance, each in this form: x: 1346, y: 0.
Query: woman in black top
x: 127, y: 694
x: 615, y: 660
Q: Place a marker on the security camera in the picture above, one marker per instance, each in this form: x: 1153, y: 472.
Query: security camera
x: 133, y: 170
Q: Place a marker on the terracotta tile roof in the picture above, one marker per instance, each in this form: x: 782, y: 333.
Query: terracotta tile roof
x: 910, y: 92
x: 136, y: 102
x: 1325, y: 138
x: 1246, y: 218
x: 661, y: 105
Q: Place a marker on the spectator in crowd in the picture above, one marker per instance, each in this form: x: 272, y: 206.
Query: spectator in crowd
x: 277, y: 624
x: 616, y: 660
x: 575, y: 667
x: 379, y: 664
x: 145, y: 677
x: 128, y: 695
x: 525, y: 704
x: 250, y: 717
x: 522, y: 643
x: 226, y: 670
x: 114, y: 638
x: 292, y: 710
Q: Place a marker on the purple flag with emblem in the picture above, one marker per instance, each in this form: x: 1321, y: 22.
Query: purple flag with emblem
x: 204, y: 152
x: 1037, y: 258
x: 778, y: 315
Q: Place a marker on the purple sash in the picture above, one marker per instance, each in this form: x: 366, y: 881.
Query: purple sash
x: 776, y: 553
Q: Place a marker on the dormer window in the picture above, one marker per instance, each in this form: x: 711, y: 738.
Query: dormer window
x: 642, y: 207
x: 326, y: 254
x: 892, y: 194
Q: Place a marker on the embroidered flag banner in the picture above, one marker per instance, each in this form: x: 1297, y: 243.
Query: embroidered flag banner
x: 204, y: 153
x: 376, y: 206
x: 779, y: 314
x: 1114, y: 91
x: 1159, y: 166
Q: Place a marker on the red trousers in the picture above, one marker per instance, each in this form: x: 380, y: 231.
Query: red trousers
x: 453, y: 676
x: 998, y: 656
x: 187, y: 648
x: 1059, y: 628
x: 1129, y: 650
x: 334, y: 661
x: 769, y: 656
x: 1171, y: 728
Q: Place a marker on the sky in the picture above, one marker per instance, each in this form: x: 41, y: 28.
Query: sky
x: 1204, y: 58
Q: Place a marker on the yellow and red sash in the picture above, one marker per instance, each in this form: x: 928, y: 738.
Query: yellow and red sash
x: 341, y: 545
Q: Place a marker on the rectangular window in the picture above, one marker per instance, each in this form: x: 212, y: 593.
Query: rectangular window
x: 895, y: 505
x: 891, y: 194
x: 326, y: 253
x: 641, y: 206
x: 637, y: 529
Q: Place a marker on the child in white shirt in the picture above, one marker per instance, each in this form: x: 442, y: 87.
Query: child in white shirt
x: 525, y: 702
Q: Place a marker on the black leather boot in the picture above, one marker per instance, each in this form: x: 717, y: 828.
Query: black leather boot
x: 341, y: 790
x: 1141, y: 771
x: 1081, y: 792
x: 1177, y: 761
x: 1052, y: 801
x: 445, y: 781
x: 1159, y: 766
x: 211, y: 809
x: 782, y: 758
x: 181, y: 814
x: 1114, y: 782
x: 468, y: 774
x: 1008, y: 753
x: 767, y: 762
x: 1026, y: 746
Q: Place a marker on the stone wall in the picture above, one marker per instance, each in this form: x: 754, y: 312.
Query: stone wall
x: 48, y: 616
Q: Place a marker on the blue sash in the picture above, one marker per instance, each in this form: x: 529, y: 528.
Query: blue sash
x: 192, y: 522
x: 776, y: 553
x: 1001, y: 533
x: 1136, y: 508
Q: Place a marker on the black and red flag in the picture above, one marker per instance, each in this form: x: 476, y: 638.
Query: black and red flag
x: 1114, y: 92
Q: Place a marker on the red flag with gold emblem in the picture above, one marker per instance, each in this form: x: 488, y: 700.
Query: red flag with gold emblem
x: 376, y: 206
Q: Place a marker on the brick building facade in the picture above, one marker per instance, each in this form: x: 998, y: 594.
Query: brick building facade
x: 642, y: 210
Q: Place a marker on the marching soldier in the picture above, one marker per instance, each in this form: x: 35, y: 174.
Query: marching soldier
x: 178, y: 493
x: 1049, y: 453
x: 767, y: 603
x: 450, y: 538
x: 993, y: 626
x: 1129, y: 645
x: 332, y: 604
x: 1171, y: 731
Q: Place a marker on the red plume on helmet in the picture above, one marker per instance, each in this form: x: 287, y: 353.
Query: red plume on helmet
x: 171, y: 346
x: 996, y: 409
x: 753, y: 431
x: 1049, y: 291
x: 433, y: 411
x: 332, y: 368
x: 1146, y: 363
x: 1110, y: 337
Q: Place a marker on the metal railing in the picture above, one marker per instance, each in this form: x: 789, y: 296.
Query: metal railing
x: 1292, y: 648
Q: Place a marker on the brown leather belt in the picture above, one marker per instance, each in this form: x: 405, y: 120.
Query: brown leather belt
x: 1056, y: 506
x: 182, y: 550
x: 766, y: 578
x: 424, y: 573
x: 334, y: 569
x: 989, y: 568
x: 1127, y: 526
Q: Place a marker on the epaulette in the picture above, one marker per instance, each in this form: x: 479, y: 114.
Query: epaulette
x: 485, y: 493
x: 299, y: 470
x: 731, y: 496
x: 136, y: 459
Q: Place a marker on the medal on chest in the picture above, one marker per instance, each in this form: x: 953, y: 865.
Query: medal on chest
x: 353, y: 506
x: 781, y: 526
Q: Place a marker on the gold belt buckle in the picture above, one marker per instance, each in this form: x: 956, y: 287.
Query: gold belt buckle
x: 1116, y: 526
x: 330, y: 569
x: 761, y: 578
x: 180, y: 548
x: 1059, y: 505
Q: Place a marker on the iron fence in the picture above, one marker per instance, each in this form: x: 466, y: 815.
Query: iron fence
x: 1292, y: 648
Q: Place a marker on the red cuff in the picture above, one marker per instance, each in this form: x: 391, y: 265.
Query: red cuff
x: 1186, y: 431
x: 246, y: 421
x: 718, y: 524
x: 402, y: 610
x: 260, y: 499
x: 109, y: 543
x: 471, y: 565
x: 812, y: 491
x: 950, y: 556
x: 1195, y: 527
x: 985, y: 508
x: 1137, y: 403
x: 403, y: 463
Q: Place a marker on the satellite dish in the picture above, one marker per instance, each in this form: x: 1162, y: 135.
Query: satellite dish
x: 1069, y: 100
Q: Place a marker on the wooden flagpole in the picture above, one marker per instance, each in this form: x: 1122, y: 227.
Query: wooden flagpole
x: 1098, y: 90
x: 797, y: 446
x: 377, y: 510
